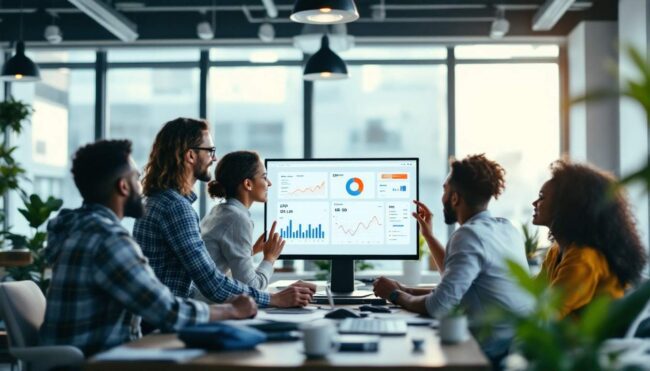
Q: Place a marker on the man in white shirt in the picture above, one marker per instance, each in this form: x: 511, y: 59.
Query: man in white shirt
x: 473, y: 266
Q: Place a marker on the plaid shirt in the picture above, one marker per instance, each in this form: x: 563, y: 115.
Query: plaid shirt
x: 170, y: 237
x: 101, y: 284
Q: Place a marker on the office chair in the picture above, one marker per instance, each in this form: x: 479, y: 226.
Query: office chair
x: 22, y: 306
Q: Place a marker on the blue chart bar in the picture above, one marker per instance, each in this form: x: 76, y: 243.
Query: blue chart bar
x: 306, y: 232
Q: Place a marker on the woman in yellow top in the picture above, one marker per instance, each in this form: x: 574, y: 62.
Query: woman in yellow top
x: 596, y: 248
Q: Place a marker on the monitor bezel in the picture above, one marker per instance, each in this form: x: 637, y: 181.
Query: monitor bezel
x: 415, y: 256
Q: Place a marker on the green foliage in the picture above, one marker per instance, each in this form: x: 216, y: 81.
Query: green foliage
x: 571, y: 343
x: 36, y: 212
x: 531, y: 240
x: 12, y: 114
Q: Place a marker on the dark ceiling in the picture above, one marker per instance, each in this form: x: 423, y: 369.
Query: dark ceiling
x: 239, y: 20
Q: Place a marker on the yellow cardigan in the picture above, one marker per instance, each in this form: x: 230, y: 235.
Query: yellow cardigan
x: 583, y: 273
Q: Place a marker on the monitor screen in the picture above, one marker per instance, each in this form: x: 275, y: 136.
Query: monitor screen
x: 338, y: 208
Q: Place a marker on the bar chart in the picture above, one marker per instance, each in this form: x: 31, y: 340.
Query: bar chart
x: 304, y: 222
x: 302, y: 231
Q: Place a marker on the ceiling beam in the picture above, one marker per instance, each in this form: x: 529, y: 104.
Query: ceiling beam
x: 109, y: 18
x: 550, y: 13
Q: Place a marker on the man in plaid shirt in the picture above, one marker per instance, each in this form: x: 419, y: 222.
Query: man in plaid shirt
x: 101, y: 282
x: 169, y: 232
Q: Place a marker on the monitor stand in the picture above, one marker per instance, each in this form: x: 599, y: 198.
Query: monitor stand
x: 342, y: 279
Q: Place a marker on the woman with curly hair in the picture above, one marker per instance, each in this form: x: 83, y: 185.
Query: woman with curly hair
x: 596, y: 248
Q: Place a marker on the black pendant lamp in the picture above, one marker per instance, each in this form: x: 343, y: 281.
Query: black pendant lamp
x: 20, y: 68
x: 324, y: 11
x: 325, y: 64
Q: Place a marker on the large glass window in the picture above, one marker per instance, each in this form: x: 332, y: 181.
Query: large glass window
x: 141, y: 100
x: 63, y: 120
x: 388, y: 111
x: 256, y: 108
x: 510, y: 112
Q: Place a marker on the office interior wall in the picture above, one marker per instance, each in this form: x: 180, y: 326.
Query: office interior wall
x: 634, y: 31
x: 594, y: 130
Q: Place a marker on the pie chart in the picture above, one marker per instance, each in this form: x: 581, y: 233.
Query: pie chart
x: 354, y: 186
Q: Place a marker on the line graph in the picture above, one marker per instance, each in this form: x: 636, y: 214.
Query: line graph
x: 313, y: 190
x: 358, y: 222
x: 303, y: 185
x: 353, y: 231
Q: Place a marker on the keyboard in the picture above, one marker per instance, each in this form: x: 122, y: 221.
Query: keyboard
x: 373, y: 326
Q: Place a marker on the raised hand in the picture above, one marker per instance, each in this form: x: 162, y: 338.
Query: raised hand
x: 273, y: 246
x: 424, y: 217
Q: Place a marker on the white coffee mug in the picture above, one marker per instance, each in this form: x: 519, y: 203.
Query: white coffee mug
x: 453, y: 329
x: 319, y: 338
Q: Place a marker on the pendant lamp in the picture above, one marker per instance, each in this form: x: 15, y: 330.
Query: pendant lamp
x: 325, y: 64
x: 324, y: 11
x: 20, y: 68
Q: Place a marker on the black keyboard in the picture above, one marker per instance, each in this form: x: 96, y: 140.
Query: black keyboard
x: 373, y: 326
x: 349, y: 300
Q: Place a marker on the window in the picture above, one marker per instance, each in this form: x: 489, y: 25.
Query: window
x: 63, y: 120
x: 141, y: 100
x: 510, y: 112
x: 256, y: 108
x: 388, y: 111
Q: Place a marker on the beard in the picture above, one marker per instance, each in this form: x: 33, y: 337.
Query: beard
x: 449, y: 212
x: 134, y: 207
x: 202, y: 173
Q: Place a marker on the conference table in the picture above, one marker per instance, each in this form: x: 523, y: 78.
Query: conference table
x: 394, y: 353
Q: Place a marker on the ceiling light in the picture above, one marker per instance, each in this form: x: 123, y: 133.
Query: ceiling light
x: 53, y: 34
x: 550, y: 13
x: 20, y: 68
x: 324, y: 11
x: 500, y: 25
x: 325, y: 64
x: 266, y: 32
x: 204, y: 30
x: 109, y: 18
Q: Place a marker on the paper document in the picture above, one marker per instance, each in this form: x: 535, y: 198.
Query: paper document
x: 123, y: 353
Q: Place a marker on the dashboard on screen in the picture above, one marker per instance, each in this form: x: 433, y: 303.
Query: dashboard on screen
x: 355, y: 208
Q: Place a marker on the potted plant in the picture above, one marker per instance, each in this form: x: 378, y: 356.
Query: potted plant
x: 24, y: 259
x: 36, y: 212
x: 12, y: 115
x: 412, y: 269
x: 453, y: 326
x: 531, y: 243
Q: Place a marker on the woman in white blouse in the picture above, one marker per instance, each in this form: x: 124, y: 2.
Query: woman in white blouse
x: 240, y: 179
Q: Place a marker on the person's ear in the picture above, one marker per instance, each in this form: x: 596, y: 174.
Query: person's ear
x: 248, y: 185
x: 123, y: 187
x: 190, y: 156
x: 455, y: 199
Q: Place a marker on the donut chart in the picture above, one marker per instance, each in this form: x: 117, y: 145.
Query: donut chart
x: 354, y: 186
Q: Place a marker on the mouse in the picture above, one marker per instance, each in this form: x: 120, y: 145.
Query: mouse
x: 374, y: 309
x: 341, y: 313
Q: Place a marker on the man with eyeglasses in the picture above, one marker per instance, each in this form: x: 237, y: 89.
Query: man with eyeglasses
x: 169, y: 232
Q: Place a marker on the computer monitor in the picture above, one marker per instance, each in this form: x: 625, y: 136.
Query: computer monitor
x: 344, y: 209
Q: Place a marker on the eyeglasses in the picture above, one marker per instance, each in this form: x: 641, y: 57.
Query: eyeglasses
x: 212, y: 150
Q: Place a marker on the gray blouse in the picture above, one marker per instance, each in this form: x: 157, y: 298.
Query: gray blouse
x: 228, y: 234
